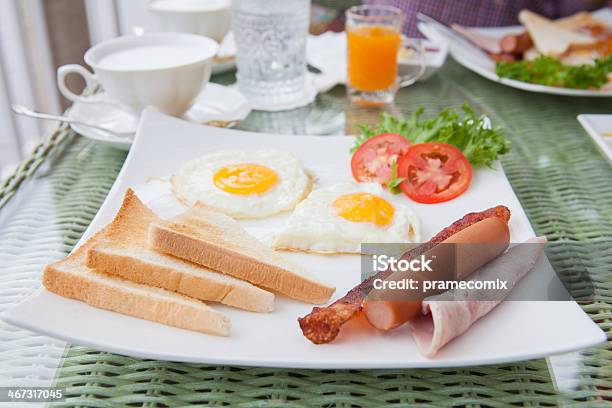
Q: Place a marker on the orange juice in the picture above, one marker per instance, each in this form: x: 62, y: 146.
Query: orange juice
x: 372, y: 57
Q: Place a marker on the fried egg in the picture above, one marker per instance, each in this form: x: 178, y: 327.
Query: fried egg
x: 341, y: 217
x: 243, y: 184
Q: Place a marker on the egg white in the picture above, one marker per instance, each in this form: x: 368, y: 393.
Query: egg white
x: 315, y: 227
x: 194, y: 183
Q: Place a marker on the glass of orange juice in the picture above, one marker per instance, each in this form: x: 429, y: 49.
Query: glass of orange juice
x: 373, y: 42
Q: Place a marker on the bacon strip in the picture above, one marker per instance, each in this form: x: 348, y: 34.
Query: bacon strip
x: 323, y: 324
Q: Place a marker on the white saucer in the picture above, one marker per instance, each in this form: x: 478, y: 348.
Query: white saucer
x: 216, y: 105
x: 107, y: 115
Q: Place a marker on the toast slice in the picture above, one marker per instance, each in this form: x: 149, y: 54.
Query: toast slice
x: 122, y: 251
x: 212, y: 239
x: 582, y: 19
x: 71, y: 278
x: 549, y: 38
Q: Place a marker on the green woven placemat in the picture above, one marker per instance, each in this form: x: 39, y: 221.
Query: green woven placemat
x: 28, y: 167
x: 561, y: 180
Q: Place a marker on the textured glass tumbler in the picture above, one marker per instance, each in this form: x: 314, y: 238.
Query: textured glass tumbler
x: 271, y: 50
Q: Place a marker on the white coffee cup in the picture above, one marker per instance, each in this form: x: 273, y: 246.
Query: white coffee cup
x: 163, y: 70
x: 210, y: 18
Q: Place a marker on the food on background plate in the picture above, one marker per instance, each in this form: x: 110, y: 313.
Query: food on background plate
x: 122, y: 251
x: 341, y: 217
x: 442, y: 319
x: 486, y: 42
x: 504, y: 49
x: 385, y: 311
x: 434, y: 172
x: 243, y: 184
x: 378, y: 152
x: 551, y: 71
x: 71, y: 278
x: 323, y: 324
x: 573, y: 52
x: 516, y: 43
x: 214, y: 240
x: 549, y: 38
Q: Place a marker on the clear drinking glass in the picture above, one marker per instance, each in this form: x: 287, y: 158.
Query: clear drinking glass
x: 271, y: 50
x: 373, y: 42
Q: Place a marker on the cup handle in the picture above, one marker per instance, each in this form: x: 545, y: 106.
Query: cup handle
x: 419, y: 54
x: 90, y: 81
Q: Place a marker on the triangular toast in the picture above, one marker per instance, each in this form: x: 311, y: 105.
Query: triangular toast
x: 71, y: 278
x: 122, y: 251
x: 549, y: 38
x: 212, y: 239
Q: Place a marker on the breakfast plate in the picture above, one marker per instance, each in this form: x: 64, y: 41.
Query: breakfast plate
x: 476, y: 60
x: 513, y: 331
x: 599, y: 127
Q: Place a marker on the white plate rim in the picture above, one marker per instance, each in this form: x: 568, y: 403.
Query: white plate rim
x: 586, y: 123
x: 304, y: 364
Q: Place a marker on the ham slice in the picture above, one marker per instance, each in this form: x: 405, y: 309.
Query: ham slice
x: 442, y: 320
x: 491, y: 44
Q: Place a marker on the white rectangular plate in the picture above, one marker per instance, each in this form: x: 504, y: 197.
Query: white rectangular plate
x: 513, y: 331
x: 599, y: 127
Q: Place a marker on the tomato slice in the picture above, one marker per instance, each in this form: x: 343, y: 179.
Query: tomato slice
x: 434, y: 172
x: 373, y: 159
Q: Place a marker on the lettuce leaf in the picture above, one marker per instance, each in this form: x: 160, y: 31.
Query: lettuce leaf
x: 550, y: 71
x: 480, y: 143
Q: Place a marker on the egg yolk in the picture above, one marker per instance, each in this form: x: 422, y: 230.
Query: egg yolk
x: 245, y: 178
x: 363, y: 207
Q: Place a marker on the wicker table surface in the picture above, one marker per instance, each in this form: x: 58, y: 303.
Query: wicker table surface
x: 560, y: 178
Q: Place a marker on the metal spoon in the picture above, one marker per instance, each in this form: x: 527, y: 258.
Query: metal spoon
x: 22, y: 110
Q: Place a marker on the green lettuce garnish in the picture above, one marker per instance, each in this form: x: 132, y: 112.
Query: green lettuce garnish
x: 550, y: 71
x: 480, y: 143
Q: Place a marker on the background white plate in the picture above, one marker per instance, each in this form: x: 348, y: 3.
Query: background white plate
x: 513, y: 331
x: 597, y: 126
x: 474, y: 59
